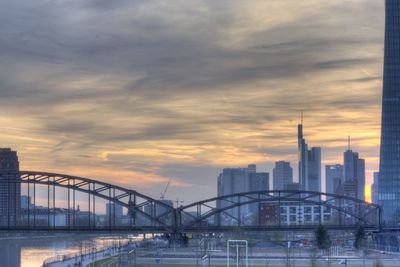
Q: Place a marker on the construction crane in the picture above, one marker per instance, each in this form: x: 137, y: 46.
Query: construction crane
x: 165, y: 190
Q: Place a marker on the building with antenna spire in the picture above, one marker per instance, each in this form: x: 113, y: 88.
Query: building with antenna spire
x: 354, y: 173
x: 303, y: 156
x: 309, y: 162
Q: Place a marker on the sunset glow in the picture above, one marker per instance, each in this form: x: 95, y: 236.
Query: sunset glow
x: 138, y: 99
x: 368, y: 193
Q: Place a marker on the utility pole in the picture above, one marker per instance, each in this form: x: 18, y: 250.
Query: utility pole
x: 178, y: 202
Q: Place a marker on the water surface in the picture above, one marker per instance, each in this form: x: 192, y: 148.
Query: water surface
x: 32, y: 250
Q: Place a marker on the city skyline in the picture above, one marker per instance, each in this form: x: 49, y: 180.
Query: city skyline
x: 202, y: 132
x: 159, y: 103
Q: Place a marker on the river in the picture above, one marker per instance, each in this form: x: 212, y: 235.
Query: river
x: 31, y: 250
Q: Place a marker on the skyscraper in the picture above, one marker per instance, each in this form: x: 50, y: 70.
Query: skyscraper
x: 303, y: 158
x: 361, y: 179
x: 309, y: 164
x: 334, y: 178
x: 314, y: 169
x: 10, y: 193
x: 354, y: 174
x: 257, y: 181
x: 231, y: 181
x: 239, y: 180
x: 282, y: 175
x: 375, y: 188
x: 389, y: 169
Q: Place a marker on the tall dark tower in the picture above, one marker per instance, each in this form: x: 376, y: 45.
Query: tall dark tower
x: 389, y: 169
x: 303, y: 158
x: 10, y: 193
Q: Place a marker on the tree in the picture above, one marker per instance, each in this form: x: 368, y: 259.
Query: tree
x: 322, y: 238
x: 359, y: 238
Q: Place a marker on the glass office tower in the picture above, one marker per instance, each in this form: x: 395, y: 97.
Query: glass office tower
x: 10, y: 193
x: 389, y: 169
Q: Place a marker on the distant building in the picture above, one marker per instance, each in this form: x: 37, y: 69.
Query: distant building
x: 354, y: 175
x: 375, y: 189
x: 252, y: 168
x: 26, y: 202
x: 43, y: 216
x: 159, y: 210
x: 282, y: 175
x: 350, y: 188
x: 361, y: 179
x: 239, y: 180
x: 114, y: 210
x: 258, y: 181
x: 309, y: 164
x: 10, y: 194
x: 269, y: 214
x: 314, y: 169
x: 303, y: 158
x: 114, y: 213
x: 293, y: 214
x: 231, y: 181
x: 292, y: 186
x: 334, y: 178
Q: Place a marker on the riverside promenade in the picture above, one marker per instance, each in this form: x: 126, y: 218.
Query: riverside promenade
x: 81, y: 260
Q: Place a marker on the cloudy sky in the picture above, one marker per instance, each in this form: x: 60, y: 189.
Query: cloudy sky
x: 136, y: 92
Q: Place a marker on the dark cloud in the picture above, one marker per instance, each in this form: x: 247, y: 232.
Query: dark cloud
x: 344, y: 63
x: 365, y: 79
x: 202, y: 79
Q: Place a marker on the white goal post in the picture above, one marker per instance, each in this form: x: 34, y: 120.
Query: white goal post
x: 237, y: 244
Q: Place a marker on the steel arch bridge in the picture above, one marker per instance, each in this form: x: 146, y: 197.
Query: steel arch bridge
x: 279, y: 210
x: 58, y: 202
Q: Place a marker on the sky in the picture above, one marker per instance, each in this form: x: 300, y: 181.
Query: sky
x: 137, y: 92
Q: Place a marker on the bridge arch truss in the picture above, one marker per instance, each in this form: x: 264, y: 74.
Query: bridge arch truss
x: 80, y: 200
x: 272, y: 210
x: 64, y: 202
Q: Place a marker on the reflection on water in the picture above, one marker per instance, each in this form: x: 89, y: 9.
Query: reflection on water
x: 33, y: 250
x: 10, y: 253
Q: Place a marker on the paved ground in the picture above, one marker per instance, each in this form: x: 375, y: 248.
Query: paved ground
x: 272, y: 263
x: 258, y: 257
x: 182, y: 258
x: 108, y: 262
x: 85, y: 260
